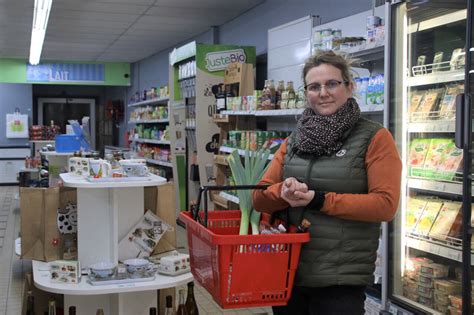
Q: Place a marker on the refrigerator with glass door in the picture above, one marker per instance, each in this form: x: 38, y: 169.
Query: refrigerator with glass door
x: 430, y: 116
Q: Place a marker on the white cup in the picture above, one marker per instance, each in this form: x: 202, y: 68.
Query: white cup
x: 100, y: 168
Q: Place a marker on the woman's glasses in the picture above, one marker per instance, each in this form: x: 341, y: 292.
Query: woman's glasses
x: 330, y: 85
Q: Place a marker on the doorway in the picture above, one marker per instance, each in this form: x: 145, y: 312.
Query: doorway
x: 60, y: 110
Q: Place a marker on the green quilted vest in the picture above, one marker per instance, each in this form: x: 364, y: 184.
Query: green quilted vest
x: 340, y: 252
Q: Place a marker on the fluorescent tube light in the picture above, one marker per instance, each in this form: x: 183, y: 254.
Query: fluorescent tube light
x: 38, y: 29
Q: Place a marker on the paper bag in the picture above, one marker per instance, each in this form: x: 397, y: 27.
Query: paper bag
x: 161, y: 200
x: 40, y: 236
x: 239, y: 79
x: 17, y: 126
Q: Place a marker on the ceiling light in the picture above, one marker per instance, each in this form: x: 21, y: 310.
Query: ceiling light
x: 38, y: 29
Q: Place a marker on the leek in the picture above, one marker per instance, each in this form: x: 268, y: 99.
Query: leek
x: 249, y: 173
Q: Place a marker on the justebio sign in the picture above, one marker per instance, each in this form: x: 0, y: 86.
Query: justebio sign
x: 216, y: 61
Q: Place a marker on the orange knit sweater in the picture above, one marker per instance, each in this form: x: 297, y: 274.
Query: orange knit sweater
x: 379, y: 204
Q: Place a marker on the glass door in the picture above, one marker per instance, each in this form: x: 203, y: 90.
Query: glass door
x: 427, y: 73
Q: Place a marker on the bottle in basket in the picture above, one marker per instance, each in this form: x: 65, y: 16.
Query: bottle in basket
x: 181, y: 306
x: 191, y: 305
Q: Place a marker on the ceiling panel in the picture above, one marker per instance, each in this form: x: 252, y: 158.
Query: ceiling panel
x: 95, y: 6
x: 92, y: 16
x: 112, y: 30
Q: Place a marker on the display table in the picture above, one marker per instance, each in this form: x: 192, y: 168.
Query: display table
x: 41, y: 278
x: 106, y: 211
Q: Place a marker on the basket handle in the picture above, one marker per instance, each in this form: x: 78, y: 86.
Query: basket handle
x: 203, y: 190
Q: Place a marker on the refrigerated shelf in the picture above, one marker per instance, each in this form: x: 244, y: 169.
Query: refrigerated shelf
x: 435, y: 186
x: 437, y: 77
x: 436, y: 248
x: 432, y: 126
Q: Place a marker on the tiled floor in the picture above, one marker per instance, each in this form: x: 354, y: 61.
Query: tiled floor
x: 13, y: 269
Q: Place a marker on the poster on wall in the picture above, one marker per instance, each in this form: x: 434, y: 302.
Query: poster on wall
x: 17, y: 125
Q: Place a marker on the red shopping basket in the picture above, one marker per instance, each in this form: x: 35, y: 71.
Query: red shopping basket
x: 240, y: 270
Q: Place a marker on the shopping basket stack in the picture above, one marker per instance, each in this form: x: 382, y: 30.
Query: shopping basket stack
x: 240, y: 270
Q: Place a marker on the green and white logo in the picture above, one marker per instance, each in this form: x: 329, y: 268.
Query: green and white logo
x: 217, y: 61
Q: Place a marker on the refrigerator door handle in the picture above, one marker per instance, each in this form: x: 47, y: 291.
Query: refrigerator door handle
x: 459, y: 127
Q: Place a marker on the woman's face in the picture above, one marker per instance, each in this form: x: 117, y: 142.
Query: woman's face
x: 326, y: 90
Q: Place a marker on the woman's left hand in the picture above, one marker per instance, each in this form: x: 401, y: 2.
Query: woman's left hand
x: 296, y: 193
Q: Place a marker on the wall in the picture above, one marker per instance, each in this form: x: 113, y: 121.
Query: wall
x: 249, y: 29
x: 12, y: 96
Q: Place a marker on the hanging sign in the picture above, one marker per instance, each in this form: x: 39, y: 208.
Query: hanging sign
x: 63, y: 72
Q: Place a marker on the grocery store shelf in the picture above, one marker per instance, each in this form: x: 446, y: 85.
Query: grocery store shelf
x: 438, y: 21
x: 149, y: 102
x: 435, y: 248
x: 152, y: 141
x: 436, y: 186
x: 432, y: 126
x: 368, y: 52
x: 151, y: 121
x: 280, y: 112
x: 158, y: 162
x: 229, y: 197
x: 241, y: 152
x: 272, y: 112
x: 436, y: 77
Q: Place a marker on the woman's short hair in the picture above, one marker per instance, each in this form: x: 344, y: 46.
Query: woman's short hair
x: 337, y: 60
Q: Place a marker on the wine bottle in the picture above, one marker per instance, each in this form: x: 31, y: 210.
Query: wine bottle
x: 52, y: 307
x: 153, y: 311
x: 99, y: 312
x: 72, y: 310
x: 30, y: 303
x: 191, y: 305
x: 169, y: 310
x: 181, y: 306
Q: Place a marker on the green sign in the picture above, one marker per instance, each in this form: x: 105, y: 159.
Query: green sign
x: 215, y: 58
x: 65, y: 72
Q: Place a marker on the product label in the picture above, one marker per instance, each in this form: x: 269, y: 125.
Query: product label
x: 217, y: 61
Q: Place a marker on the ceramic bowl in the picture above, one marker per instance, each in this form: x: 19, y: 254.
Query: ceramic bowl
x: 136, y: 267
x: 103, y: 270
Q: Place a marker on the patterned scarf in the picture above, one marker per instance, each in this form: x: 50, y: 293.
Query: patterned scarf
x: 322, y: 135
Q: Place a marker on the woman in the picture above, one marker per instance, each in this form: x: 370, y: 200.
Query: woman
x: 342, y: 173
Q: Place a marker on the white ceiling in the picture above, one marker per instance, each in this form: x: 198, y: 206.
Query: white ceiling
x: 112, y: 30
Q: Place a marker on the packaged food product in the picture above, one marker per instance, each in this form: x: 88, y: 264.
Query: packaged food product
x: 452, y: 160
x: 427, y: 301
x: 415, y: 207
x: 456, y: 301
x: 454, y: 311
x: 430, y: 102
x: 447, y: 286
x: 411, y: 295
x: 427, y: 218
x: 424, y: 281
x: 447, y: 106
x: 445, y: 221
x: 443, y: 308
x: 438, y: 58
x: 425, y: 292
x: 441, y: 298
x: 434, y: 270
x: 457, y: 59
x: 417, y: 154
x: 413, y: 266
x: 415, y: 101
x: 436, y: 155
x: 409, y: 284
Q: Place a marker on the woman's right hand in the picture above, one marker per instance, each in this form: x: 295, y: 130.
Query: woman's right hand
x: 296, y: 193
